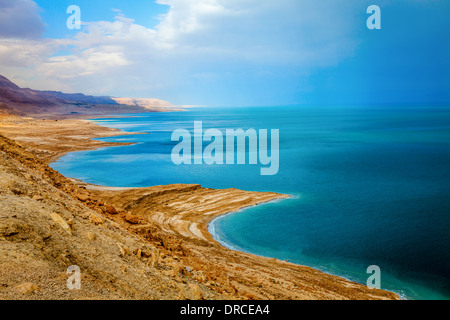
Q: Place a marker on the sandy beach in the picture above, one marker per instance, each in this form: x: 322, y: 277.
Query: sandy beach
x: 154, y: 243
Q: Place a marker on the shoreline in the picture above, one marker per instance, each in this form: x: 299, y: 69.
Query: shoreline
x: 203, y: 224
x: 231, y: 247
x: 188, y: 229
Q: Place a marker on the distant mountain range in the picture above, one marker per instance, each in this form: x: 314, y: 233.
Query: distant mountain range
x: 23, y: 101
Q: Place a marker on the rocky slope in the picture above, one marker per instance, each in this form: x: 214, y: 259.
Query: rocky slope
x: 45, y: 228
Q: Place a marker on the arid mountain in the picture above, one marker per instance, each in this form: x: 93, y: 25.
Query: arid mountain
x: 24, y: 101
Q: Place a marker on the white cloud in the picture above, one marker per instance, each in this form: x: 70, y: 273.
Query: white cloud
x: 198, y: 40
x: 24, y: 53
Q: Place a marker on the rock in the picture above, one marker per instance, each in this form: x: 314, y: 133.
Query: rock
x: 82, y: 197
x: 132, y: 219
x: 146, y: 252
x: 110, y: 210
x: 60, y: 220
x: 153, y: 261
x: 37, y: 197
x: 27, y: 288
x: 16, y: 191
x: 123, y: 250
x: 195, y: 291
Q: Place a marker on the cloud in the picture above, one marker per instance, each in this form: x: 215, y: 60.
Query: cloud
x: 196, y: 43
x: 20, y: 19
x: 293, y: 31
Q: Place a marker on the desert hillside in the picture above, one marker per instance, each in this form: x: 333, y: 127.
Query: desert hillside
x: 44, y: 104
x: 45, y: 228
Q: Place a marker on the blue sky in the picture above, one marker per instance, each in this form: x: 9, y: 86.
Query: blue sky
x: 54, y: 14
x: 232, y: 52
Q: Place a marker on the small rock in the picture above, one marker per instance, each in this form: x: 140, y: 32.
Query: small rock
x: 132, y: 219
x: 146, y: 253
x: 60, y: 220
x: 153, y: 261
x: 46, y: 234
x: 110, y: 210
x: 37, y: 197
x: 83, y: 197
x: 27, y: 288
x: 123, y: 250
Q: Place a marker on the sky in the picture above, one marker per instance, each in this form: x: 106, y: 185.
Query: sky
x: 232, y: 52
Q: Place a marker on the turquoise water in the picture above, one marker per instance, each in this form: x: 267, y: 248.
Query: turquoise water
x: 369, y: 186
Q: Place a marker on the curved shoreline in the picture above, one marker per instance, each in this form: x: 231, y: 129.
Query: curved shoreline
x: 242, y: 210
x: 174, y: 216
x: 223, y: 243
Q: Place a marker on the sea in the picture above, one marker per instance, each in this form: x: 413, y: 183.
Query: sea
x: 369, y: 186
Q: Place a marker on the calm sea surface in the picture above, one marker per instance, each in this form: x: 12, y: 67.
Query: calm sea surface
x: 370, y: 186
